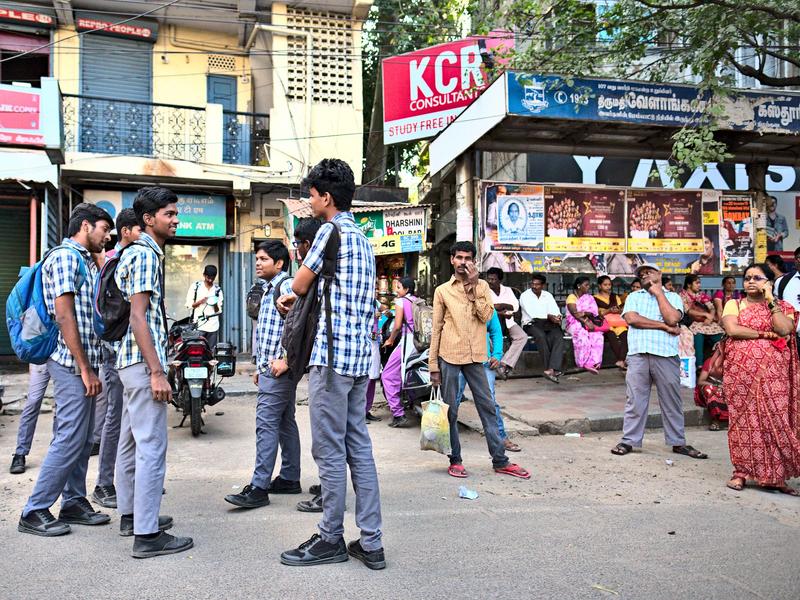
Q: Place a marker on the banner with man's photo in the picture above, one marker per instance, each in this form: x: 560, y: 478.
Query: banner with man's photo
x: 529, y: 227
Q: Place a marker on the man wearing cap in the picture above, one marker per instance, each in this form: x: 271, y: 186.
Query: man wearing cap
x: 653, y: 316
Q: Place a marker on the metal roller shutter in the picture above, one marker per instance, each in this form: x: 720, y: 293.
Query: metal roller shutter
x: 14, y: 237
x: 116, y: 69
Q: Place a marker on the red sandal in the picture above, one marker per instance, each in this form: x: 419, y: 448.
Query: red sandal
x: 514, y: 471
x: 457, y: 471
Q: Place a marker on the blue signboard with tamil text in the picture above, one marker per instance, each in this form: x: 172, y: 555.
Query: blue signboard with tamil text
x: 669, y: 105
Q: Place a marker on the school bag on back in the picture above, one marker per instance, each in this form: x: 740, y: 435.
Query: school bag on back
x: 300, y: 328
x: 33, y: 332
x: 423, y: 324
x: 112, y: 311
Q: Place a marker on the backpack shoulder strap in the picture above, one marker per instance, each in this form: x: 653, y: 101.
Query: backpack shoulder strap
x: 328, y: 273
x: 196, y: 287
x: 783, y: 283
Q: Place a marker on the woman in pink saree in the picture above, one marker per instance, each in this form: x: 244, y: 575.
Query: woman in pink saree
x: 584, y: 324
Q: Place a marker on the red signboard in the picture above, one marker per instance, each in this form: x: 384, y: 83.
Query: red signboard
x: 19, y: 110
x: 138, y: 29
x: 15, y: 15
x: 425, y: 90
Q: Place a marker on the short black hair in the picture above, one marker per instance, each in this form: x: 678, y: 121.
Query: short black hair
x: 409, y: 284
x: 463, y: 246
x: 776, y: 261
x: 727, y: 277
x: 210, y: 271
x: 306, y: 229
x: 580, y: 280
x: 496, y: 271
x: 636, y: 280
x: 665, y: 279
x: 126, y: 218
x: 603, y: 278
x: 334, y: 176
x: 539, y: 277
x: 797, y: 251
x: 149, y: 200
x: 276, y: 251
x: 87, y: 212
x: 689, y: 280
x: 763, y: 267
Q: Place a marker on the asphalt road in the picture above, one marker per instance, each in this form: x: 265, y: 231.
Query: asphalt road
x: 587, y: 525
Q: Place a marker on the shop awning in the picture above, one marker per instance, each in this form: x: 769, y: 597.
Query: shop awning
x: 27, y: 166
x: 522, y: 112
x: 302, y: 207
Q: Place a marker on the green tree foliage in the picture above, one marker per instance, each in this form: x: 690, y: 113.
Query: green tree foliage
x: 395, y: 27
x: 701, y: 42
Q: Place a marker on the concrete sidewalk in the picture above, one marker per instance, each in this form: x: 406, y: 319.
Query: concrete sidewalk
x: 581, y: 403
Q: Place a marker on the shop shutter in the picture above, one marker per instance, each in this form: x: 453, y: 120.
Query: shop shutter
x: 116, y: 68
x: 13, y: 255
x: 120, y: 70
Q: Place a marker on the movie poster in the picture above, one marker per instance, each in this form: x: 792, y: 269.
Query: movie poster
x: 584, y: 219
x: 736, y: 233
x: 665, y: 221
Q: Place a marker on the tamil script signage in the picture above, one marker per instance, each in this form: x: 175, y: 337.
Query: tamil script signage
x: 393, y: 231
x: 425, y: 90
x: 669, y: 105
x: 136, y: 29
x: 200, y: 215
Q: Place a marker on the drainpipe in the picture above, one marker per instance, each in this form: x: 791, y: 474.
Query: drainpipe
x: 32, y: 241
x: 285, y: 31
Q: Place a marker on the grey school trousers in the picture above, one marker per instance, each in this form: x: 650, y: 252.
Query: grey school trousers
x: 142, y: 451
x: 663, y: 371
x: 38, y: 379
x: 276, y: 426
x: 113, y: 418
x: 339, y: 438
x: 64, y: 468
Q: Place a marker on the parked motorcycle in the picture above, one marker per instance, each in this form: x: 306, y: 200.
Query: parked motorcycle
x: 196, y: 371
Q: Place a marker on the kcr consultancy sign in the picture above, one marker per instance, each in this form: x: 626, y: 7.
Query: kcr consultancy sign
x: 424, y: 90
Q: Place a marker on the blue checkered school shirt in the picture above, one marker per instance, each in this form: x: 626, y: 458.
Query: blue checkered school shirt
x: 139, y: 270
x: 61, y: 274
x: 352, y: 299
x: 651, y: 341
x: 270, y: 323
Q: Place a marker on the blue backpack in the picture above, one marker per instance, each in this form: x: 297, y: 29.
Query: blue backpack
x: 33, y: 332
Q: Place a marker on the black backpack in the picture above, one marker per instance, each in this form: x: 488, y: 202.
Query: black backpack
x: 254, y: 300
x: 300, y: 328
x: 110, y: 304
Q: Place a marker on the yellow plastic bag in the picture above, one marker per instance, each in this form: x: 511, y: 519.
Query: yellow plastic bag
x: 435, y: 434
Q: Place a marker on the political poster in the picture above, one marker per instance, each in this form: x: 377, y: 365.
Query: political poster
x: 736, y: 233
x: 584, y: 219
x: 512, y: 217
x: 665, y: 221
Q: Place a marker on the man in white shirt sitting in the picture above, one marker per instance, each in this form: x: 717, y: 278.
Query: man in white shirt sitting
x: 204, y: 299
x: 541, y: 319
x: 506, y: 304
x: 788, y: 288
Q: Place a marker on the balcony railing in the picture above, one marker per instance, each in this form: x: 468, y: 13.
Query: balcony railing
x: 128, y: 127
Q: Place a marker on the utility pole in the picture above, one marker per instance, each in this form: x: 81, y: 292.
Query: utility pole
x: 757, y: 182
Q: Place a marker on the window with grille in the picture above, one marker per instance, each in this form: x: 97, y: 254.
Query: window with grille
x: 220, y: 62
x: 332, y: 57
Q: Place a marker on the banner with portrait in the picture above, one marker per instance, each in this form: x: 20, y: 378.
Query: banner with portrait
x: 736, y: 233
x: 512, y: 217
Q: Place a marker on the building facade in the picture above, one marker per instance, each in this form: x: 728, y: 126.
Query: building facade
x: 228, y: 104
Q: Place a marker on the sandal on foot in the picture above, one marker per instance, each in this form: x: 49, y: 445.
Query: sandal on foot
x: 511, y: 446
x: 622, y: 449
x: 736, y: 483
x: 689, y: 451
x: 592, y: 370
x: 514, y: 471
x: 780, y: 489
x: 457, y: 471
x: 714, y: 427
x: 553, y: 378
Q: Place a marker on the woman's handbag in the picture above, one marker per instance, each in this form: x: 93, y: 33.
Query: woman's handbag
x: 716, y: 361
x: 600, y: 323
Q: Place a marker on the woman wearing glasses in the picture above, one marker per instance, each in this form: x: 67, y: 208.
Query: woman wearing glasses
x: 762, y: 386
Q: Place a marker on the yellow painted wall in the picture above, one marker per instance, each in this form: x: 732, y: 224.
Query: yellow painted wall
x: 179, y: 80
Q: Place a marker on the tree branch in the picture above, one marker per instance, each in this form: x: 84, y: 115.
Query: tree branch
x: 770, y: 10
x: 759, y: 75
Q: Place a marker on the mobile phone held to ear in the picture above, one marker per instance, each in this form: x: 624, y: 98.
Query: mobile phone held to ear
x: 647, y: 285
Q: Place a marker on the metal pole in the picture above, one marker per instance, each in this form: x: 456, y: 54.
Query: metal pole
x: 33, y: 222
x: 757, y: 180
